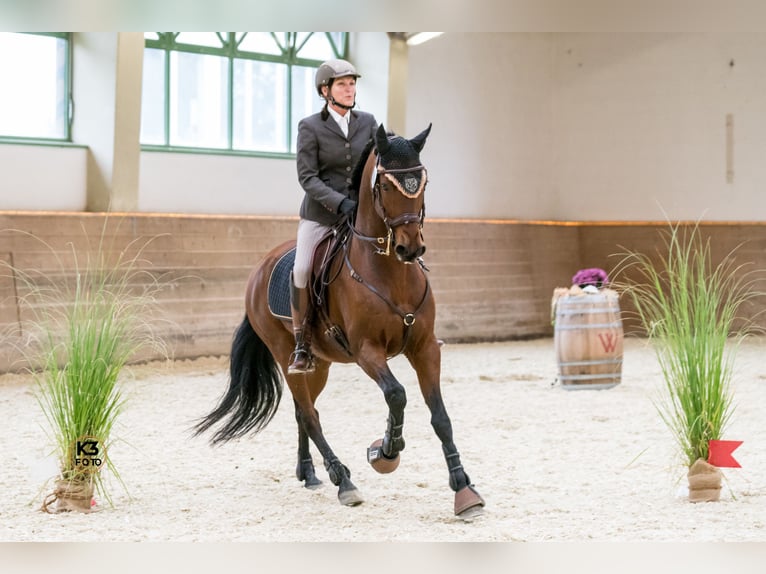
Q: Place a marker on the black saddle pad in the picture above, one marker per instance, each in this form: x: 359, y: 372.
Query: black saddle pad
x: 279, y: 286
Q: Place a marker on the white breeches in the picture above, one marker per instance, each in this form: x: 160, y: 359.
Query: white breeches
x: 309, y: 235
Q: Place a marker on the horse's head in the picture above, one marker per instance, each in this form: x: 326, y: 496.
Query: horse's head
x: 398, y: 191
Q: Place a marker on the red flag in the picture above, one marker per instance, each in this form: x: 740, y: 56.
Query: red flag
x: 719, y: 453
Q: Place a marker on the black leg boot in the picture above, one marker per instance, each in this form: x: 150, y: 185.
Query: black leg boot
x: 301, y: 360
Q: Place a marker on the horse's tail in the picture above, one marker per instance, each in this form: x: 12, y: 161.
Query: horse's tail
x: 255, y: 389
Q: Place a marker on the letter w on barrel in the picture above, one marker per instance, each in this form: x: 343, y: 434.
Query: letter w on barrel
x: 608, y: 341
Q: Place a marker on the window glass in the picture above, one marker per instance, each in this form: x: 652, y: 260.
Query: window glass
x: 305, y: 99
x: 260, y: 96
x: 338, y: 39
x: 153, y: 97
x: 34, y: 92
x: 261, y: 42
x: 210, y: 39
x: 198, y: 100
x: 243, y: 91
x: 314, y: 45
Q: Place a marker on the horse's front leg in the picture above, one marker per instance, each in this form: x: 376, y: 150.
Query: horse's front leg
x: 427, y: 365
x: 383, y: 454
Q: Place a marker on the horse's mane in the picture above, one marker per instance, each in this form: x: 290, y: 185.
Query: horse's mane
x: 356, y: 176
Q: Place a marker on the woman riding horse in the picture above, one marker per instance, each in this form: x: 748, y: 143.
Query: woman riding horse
x: 330, y: 144
x: 376, y: 304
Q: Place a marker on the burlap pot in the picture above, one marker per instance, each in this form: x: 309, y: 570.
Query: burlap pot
x: 704, y: 482
x: 69, y: 496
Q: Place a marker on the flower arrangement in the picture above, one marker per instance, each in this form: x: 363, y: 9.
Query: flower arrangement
x: 591, y: 276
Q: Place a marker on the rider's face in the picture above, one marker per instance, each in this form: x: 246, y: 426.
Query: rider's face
x: 343, y: 90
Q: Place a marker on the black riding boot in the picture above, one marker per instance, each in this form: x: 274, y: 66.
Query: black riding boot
x: 301, y: 361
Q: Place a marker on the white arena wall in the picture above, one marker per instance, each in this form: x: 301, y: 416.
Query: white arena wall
x: 573, y: 127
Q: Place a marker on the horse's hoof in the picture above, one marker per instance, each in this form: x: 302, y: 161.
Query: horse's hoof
x: 379, y: 461
x: 468, y: 502
x: 350, y: 497
x: 312, y: 483
x: 304, y: 472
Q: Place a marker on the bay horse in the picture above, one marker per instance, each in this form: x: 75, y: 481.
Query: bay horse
x: 376, y: 303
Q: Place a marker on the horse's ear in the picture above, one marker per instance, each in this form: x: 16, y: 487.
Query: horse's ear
x: 420, y: 140
x: 381, y: 140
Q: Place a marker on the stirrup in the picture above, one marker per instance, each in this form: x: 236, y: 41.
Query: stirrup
x: 295, y: 367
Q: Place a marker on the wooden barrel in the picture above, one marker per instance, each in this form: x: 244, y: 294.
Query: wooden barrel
x: 588, y: 339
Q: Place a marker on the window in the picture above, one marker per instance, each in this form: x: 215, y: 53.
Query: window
x: 36, y: 85
x: 232, y: 91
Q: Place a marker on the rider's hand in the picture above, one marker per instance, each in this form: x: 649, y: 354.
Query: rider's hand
x: 347, y: 206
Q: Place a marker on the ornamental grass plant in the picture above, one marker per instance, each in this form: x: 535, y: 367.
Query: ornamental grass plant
x: 88, y: 322
x: 690, y: 307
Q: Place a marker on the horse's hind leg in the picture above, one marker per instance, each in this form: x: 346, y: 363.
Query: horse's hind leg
x: 304, y: 471
x: 305, y: 389
x: 427, y: 366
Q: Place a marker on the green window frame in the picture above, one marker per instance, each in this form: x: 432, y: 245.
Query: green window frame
x: 231, y: 92
x: 36, y: 103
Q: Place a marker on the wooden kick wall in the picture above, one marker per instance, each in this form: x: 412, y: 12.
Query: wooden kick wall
x: 741, y: 243
x: 492, y: 280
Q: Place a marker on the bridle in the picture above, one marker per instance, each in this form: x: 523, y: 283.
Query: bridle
x: 408, y: 319
x: 403, y: 219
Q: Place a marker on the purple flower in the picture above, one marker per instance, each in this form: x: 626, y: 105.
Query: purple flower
x: 593, y: 276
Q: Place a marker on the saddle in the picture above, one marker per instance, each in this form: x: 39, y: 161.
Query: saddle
x: 327, y: 264
x: 279, y: 286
